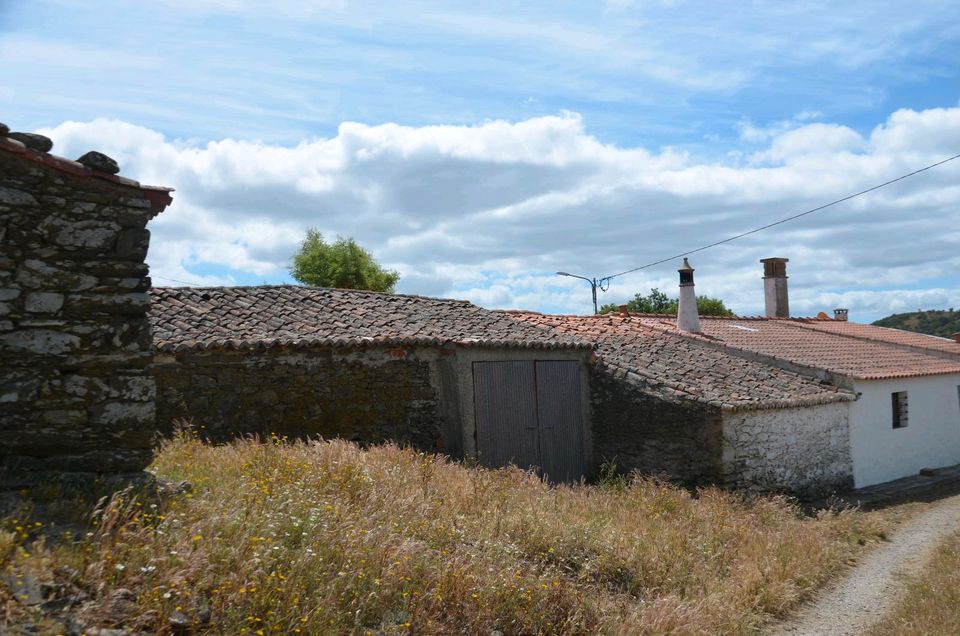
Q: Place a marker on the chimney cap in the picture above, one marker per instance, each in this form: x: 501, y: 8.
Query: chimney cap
x: 775, y: 259
x: 686, y: 266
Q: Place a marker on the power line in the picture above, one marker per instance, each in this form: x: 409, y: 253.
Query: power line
x: 174, y: 280
x: 783, y: 220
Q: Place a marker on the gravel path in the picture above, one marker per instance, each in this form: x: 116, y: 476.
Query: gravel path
x: 862, y: 597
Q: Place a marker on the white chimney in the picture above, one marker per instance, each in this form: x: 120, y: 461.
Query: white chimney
x: 687, y: 317
x: 775, y: 295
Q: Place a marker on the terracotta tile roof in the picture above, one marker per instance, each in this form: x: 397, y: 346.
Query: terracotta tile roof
x: 844, y: 349
x: 918, y: 341
x: 682, y: 368
x: 184, y: 319
x: 159, y: 197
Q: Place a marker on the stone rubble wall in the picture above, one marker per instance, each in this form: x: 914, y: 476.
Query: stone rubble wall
x: 367, y: 395
x: 75, y: 391
x: 639, y: 430
x: 802, y: 451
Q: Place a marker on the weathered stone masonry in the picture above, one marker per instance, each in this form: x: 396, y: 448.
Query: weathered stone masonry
x: 368, y: 395
x: 637, y: 429
x: 359, y: 365
x: 805, y: 448
x: 75, y: 391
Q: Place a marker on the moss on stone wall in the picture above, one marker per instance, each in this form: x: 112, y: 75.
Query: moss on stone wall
x: 368, y: 396
x: 638, y: 430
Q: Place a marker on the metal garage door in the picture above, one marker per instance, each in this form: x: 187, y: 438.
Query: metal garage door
x: 528, y: 413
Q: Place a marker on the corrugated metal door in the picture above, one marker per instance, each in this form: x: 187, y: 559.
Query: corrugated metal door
x: 506, y: 410
x: 560, y: 419
x: 529, y: 414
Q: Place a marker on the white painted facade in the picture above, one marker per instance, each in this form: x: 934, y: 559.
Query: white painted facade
x: 931, y: 438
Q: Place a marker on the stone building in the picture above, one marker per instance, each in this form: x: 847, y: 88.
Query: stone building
x: 665, y: 404
x: 76, y: 393
x: 93, y: 361
x: 907, y: 413
x: 370, y: 367
x: 805, y: 405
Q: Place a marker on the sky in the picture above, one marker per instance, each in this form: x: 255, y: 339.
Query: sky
x: 478, y: 148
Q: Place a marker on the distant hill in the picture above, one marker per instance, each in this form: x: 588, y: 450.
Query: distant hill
x: 936, y: 322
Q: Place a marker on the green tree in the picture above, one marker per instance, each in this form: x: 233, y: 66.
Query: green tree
x: 657, y: 302
x: 342, y: 264
x: 708, y: 306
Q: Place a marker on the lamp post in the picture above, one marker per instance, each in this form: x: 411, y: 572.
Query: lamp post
x: 593, y: 287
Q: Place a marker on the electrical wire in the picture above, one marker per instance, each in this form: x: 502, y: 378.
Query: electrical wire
x: 174, y: 280
x: 783, y: 220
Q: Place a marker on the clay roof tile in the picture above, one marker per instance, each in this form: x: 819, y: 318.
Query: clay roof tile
x: 184, y: 318
x: 687, y: 369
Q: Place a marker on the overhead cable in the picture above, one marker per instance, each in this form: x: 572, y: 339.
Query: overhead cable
x: 783, y: 220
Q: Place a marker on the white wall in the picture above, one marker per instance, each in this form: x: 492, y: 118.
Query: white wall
x: 930, y: 440
x: 804, y: 450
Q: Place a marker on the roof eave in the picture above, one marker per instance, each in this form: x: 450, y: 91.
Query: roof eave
x: 159, y: 197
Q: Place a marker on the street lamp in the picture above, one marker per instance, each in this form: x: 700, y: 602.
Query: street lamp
x: 594, y: 283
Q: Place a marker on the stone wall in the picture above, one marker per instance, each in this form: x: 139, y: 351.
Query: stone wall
x: 638, y: 429
x: 75, y: 392
x: 365, y: 395
x: 803, y: 451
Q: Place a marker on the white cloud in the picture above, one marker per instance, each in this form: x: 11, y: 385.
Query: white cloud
x: 490, y: 211
x: 812, y: 140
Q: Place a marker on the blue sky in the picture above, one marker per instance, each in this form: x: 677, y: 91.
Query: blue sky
x: 478, y: 149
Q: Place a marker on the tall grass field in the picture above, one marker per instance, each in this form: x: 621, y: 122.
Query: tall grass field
x: 327, y: 538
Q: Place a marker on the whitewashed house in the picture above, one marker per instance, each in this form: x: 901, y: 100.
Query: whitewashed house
x: 907, y: 413
x: 805, y: 405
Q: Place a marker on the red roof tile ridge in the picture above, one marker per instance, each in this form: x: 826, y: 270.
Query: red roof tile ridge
x: 806, y: 367
x: 903, y: 346
x: 771, y: 318
x: 912, y: 333
x: 637, y: 314
x: 764, y: 357
x: 661, y: 326
x: 734, y: 317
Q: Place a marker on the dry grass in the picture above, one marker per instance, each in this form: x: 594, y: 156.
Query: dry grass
x: 931, y: 604
x: 327, y: 538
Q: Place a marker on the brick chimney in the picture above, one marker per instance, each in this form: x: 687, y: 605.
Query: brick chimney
x: 840, y: 314
x: 775, y: 296
x: 688, y: 319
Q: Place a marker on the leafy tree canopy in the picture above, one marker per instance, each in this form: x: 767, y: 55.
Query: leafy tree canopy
x: 657, y: 302
x: 342, y: 264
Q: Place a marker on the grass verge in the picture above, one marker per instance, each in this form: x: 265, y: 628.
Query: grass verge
x: 326, y: 538
x: 931, y: 603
